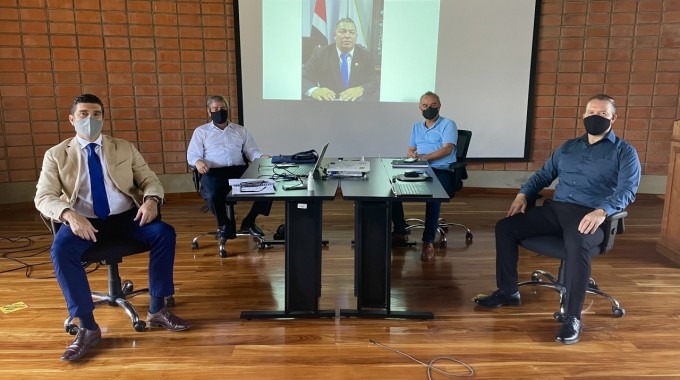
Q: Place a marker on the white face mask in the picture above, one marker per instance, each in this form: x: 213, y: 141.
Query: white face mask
x: 89, y: 128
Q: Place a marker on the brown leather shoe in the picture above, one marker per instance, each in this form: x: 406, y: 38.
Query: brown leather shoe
x: 81, y: 345
x: 399, y: 240
x: 167, y: 320
x: 427, y: 252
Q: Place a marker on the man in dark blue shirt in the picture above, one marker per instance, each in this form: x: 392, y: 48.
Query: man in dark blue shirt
x: 599, y: 175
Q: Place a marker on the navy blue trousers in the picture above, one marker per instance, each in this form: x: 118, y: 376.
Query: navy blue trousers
x: 215, y: 187
x: 67, y: 250
x: 432, y: 209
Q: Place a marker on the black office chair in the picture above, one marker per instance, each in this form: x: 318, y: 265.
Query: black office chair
x: 459, y: 169
x: 231, y: 217
x: 110, y: 253
x: 553, y: 246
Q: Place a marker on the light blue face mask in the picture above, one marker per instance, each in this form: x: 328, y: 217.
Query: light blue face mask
x: 89, y: 128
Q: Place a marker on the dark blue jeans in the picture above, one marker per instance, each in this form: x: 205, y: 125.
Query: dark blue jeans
x: 67, y: 250
x: 447, y: 179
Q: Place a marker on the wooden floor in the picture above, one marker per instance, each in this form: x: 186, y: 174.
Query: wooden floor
x: 508, y: 343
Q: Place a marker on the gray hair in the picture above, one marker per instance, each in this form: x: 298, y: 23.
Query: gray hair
x: 217, y: 98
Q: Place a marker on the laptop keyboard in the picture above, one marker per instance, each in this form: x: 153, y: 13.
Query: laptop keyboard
x: 412, y: 188
x: 296, y: 170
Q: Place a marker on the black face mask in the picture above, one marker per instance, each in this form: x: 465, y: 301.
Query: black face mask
x: 431, y: 113
x: 596, y: 124
x: 219, y: 117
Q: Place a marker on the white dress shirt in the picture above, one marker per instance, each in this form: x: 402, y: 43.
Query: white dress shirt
x: 118, y: 202
x: 221, y: 147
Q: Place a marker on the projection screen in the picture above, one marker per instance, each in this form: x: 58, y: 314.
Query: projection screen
x: 477, y: 55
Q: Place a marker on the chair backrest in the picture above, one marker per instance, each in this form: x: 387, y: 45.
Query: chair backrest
x: 464, y: 137
x: 459, y: 167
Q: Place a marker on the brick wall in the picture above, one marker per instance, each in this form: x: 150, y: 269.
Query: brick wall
x: 153, y: 62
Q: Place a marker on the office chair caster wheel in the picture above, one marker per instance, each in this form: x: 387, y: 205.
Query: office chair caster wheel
x: 139, y: 326
x: 618, y: 311
x: 559, y: 317
x: 468, y: 237
x: 194, y: 245
x: 169, y: 301
x: 127, y: 287
x: 223, y: 253
x: 443, y: 244
x: 72, y: 329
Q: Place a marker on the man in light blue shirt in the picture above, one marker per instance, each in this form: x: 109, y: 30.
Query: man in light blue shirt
x: 433, y: 139
x: 217, y: 150
x: 599, y: 175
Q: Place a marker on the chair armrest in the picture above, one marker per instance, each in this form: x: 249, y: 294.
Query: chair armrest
x: 619, y: 218
x: 52, y: 225
x: 459, y: 171
x: 196, y: 177
x: 613, y: 225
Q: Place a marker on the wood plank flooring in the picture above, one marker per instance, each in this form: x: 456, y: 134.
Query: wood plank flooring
x: 508, y: 343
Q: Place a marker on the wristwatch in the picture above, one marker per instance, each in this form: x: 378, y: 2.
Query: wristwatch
x: 154, y: 198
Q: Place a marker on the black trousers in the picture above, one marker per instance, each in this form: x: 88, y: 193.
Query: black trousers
x: 215, y: 187
x: 553, y: 218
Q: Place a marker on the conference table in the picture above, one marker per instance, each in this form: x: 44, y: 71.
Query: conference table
x: 303, y: 242
x: 373, y: 197
x: 373, y: 200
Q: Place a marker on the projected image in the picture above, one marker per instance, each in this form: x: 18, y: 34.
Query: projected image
x: 478, y: 55
x: 341, y: 50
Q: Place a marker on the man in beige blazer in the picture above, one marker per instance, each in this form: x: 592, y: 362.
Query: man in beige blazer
x: 101, y: 188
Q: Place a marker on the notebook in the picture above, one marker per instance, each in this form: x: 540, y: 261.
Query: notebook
x: 241, y: 186
x: 408, y: 163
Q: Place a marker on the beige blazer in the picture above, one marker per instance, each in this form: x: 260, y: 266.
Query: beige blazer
x: 57, y: 188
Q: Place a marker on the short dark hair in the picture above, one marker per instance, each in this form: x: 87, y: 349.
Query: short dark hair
x: 86, y: 98
x: 605, y: 98
x: 345, y: 19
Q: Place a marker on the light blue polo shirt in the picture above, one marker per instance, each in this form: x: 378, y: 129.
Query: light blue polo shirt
x: 427, y: 140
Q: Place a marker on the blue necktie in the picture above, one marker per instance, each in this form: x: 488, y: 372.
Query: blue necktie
x: 344, y: 69
x: 100, y: 202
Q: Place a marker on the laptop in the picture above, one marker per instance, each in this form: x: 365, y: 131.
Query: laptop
x: 407, y: 189
x: 303, y: 171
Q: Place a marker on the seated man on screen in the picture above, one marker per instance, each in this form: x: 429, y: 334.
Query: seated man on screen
x: 433, y: 139
x: 101, y: 188
x: 341, y: 71
x: 217, y: 150
x: 598, y: 175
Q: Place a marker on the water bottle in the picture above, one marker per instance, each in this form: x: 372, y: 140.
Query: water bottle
x: 310, y: 182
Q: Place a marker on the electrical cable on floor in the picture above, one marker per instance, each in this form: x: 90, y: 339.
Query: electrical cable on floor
x: 431, y: 366
x: 6, y: 253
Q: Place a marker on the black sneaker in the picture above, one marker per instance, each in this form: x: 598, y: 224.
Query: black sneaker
x: 499, y: 298
x: 570, y: 331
